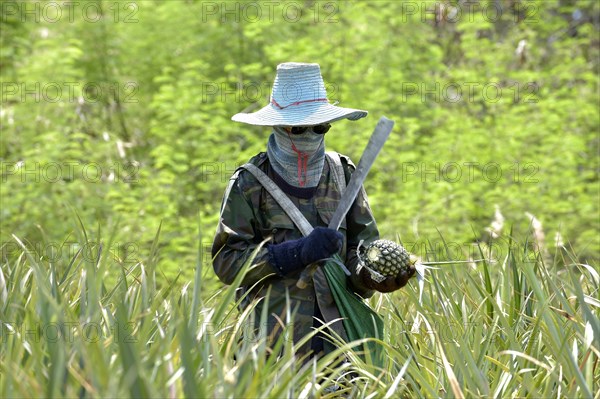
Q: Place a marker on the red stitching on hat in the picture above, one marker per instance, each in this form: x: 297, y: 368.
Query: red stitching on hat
x: 297, y: 102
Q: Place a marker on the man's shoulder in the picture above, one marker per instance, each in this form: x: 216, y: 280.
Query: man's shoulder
x: 246, y: 180
x: 345, y: 159
x: 259, y: 159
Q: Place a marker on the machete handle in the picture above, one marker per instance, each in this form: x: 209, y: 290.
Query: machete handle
x: 306, y: 275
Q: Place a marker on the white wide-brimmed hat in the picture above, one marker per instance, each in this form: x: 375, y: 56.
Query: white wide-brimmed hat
x: 298, y: 98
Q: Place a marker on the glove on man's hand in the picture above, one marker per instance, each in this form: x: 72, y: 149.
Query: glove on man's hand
x: 390, y: 283
x: 292, y: 255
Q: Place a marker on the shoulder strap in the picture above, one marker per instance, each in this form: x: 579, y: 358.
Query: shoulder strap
x: 284, y: 202
x: 335, y: 165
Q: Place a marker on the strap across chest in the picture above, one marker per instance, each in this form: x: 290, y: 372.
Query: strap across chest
x: 335, y: 165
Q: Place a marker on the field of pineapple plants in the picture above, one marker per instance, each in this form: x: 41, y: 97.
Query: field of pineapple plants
x: 518, y: 324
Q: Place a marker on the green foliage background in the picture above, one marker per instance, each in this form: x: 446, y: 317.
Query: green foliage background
x: 161, y: 146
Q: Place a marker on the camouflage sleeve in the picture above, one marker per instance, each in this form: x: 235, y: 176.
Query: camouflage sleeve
x: 360, y: 226
x: 236, y: 238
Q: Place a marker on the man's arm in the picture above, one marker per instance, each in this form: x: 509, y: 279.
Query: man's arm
x: 236, y: 239
x: 360, y: 226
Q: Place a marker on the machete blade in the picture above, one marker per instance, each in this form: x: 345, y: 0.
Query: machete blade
x: 378, y: 138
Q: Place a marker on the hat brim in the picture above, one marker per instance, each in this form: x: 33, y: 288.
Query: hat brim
x: 308, y: 114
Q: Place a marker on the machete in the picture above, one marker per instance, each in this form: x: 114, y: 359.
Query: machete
x: 378, y: 138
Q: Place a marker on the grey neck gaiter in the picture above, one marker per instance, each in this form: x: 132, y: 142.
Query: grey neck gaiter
x: 297, y: 158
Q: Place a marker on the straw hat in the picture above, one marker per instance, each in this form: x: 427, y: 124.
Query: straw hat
x: 298, y: 98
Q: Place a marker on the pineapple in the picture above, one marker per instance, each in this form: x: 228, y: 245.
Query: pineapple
x: 384, y: 258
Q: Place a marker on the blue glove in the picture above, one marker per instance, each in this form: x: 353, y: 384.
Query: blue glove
x: 292, y: 255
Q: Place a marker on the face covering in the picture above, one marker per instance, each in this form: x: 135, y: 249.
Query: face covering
x: 298, y: 158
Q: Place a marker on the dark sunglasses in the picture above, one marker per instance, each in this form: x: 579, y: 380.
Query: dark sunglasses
x: 318, y: 129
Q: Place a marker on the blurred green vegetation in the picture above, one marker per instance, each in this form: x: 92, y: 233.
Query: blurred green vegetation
x: 121, y: 111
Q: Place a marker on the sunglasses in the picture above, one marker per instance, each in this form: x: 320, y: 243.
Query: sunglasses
x: 318, y: 129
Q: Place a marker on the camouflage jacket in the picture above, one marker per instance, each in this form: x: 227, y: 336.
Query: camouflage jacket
x: 250, y: 215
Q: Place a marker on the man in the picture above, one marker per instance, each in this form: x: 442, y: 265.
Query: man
x: 300, y: 115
